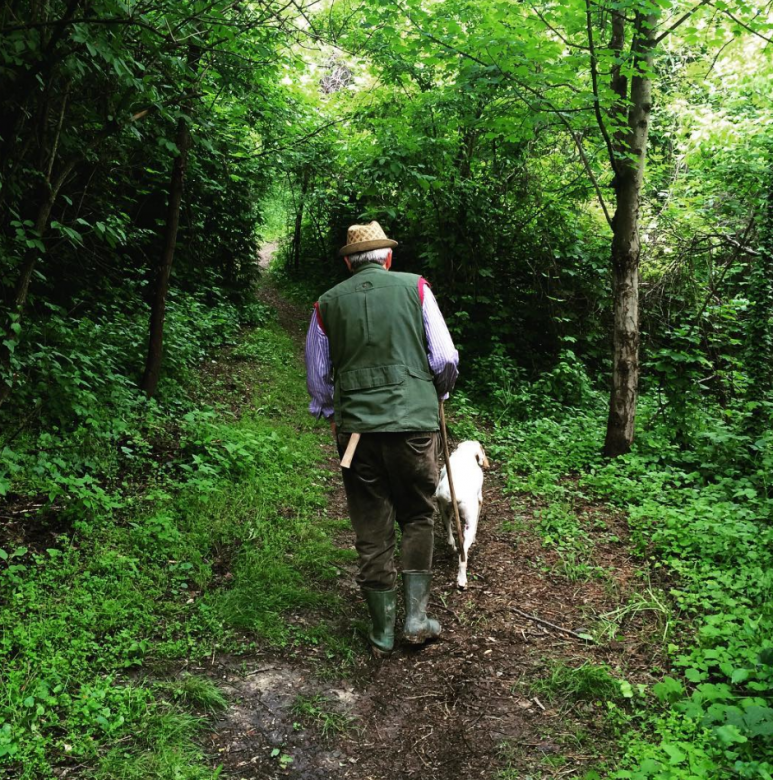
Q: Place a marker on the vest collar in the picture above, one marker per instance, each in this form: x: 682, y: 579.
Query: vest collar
x: 369, y: 267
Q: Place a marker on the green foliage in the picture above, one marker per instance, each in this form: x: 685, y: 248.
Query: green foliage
x: 652, y: 603
x: 145, y: 580
x: 90, y: 432
x: 166, y: 750
x: 469, y: 131
x: 197, y: 692
x: 587, y: 682
x: 696, y: 513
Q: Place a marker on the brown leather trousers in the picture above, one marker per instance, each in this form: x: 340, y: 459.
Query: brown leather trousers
x: 393, y: 478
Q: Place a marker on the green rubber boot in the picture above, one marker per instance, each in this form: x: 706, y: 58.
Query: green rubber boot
x: 382, y: 606
x: 418, y: 628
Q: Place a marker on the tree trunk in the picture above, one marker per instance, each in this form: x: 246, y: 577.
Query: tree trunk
x: 625, y: 242
x: 22, y: 88
x: 299, y: 222
x: 759, y: 333
x: 29, y: 262
x: 158, y: 306
x: 625, y: 337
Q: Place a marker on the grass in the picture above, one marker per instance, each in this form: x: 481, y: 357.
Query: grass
x: 196, y: 692
x: 587, y: 682
x: 651, y: 602
x: 210, y: 555
x: 167, y: 750
x: 516, y: 525
x: 276, y: 210
x: 322, y: 713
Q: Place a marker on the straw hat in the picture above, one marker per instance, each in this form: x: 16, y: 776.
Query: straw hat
x: 363, y: 238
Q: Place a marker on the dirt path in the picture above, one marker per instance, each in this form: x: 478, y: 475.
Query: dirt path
x: 485, y: 701
x: 265, y: 254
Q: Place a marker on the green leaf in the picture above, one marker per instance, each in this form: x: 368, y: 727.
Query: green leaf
x: 675, y: 755
x: 669, y: 690
x: 695, y: 676
x: 730, y: 735
x: 740, y: 675
x: 766, y: 657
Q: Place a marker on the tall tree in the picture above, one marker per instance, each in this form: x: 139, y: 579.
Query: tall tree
x: 89, y: 91
x: 300, y: 202
x: 759, y: 332
x: 164, y: 269
x: 627, y: 148
x: 155, y: 354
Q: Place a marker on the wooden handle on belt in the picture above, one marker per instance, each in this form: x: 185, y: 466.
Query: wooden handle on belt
x: 346, y: 461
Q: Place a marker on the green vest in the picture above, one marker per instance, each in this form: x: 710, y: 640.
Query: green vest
x: 381, y: 374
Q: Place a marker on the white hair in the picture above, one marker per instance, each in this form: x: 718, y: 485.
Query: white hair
x: 373, y: 256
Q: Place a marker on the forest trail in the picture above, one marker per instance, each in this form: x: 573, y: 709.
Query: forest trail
x: 485, y: 701
x: 590, y: 185
x: 266, y: 254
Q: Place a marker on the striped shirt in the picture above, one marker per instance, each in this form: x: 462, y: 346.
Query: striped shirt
x: 441, y: 353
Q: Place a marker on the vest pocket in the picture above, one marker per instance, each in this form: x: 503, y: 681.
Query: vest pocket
x: 418, y: 373
x: 368, y: 378
x: 372, y: 398
x: 396, y: 397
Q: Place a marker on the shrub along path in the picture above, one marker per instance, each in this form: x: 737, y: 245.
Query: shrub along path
x: 498, y: 696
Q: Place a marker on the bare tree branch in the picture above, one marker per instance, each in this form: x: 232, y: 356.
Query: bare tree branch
x: 297, y: 142
x: 742, y: 24
x: 681, y: 20
x: 556, y: 32
x: 595, y: 81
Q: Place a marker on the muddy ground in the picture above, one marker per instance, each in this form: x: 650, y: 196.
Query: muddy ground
x: 473, y: 704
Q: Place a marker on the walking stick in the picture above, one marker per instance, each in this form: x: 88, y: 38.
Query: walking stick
x: 444, y: 436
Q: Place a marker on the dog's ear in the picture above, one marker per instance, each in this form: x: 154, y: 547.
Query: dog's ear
x: 480, y: 456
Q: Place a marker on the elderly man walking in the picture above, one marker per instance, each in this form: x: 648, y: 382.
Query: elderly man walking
x: 378, y: 358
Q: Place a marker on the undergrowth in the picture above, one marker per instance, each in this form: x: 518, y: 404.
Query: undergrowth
x: 581, y: 683
x: 699, y: 509
x: 168, y: 530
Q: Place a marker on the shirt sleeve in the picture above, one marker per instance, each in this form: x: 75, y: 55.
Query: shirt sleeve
x: 319, y: 370
x: 442, y: 355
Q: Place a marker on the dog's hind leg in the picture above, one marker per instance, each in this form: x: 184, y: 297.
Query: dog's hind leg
x: 470, y: 531
x: 446, y: 514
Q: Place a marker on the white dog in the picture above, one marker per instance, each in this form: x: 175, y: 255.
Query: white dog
x: 467, y: 463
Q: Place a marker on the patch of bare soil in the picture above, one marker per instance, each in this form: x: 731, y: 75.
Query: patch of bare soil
x: 468, y: 705
x: 264, y: 733
x: 18, y: 530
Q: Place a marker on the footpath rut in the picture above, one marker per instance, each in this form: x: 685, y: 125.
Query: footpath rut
x: 467, y: 706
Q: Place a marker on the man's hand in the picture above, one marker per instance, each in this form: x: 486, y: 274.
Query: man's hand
x: 333, y: 426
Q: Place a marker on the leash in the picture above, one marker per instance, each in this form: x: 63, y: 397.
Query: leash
x: 444, y: 436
